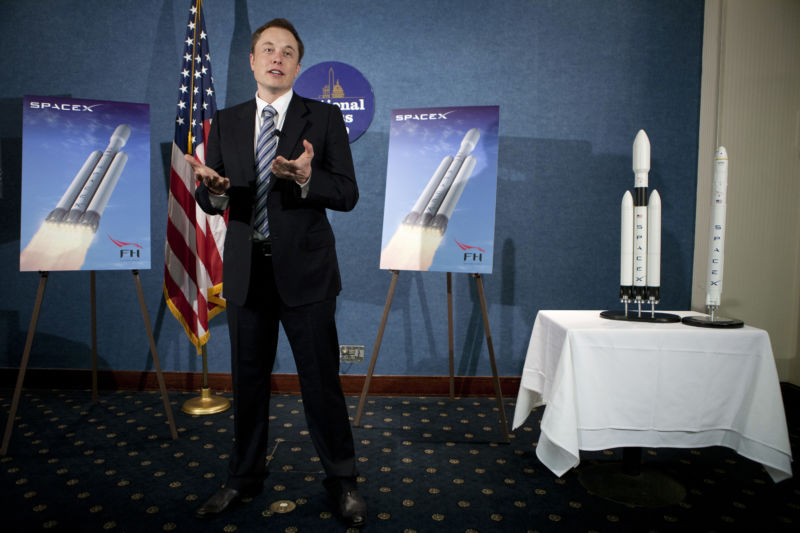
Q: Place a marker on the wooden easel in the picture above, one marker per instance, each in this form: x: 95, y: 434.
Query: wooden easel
x: 29, y: 342
x: 497, y: 392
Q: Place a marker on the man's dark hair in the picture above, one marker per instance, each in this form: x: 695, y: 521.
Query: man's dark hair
x: 278, y: 23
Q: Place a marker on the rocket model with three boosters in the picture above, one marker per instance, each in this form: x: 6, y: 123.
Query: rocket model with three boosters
x: 640, y: 236
x: 438, y: 200
x: 87, y: 196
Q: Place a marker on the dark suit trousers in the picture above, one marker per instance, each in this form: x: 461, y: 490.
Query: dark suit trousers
x: 311, y: 331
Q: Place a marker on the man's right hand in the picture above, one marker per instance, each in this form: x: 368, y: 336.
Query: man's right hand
x: 215, y: 183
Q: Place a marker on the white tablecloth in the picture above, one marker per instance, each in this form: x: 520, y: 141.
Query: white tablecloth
x: 610, y: 384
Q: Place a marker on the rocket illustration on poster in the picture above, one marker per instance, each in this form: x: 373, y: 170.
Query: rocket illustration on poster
x: 85, y: 185
x: 441, y: 185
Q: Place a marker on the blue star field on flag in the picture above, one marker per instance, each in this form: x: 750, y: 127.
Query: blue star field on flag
x: 196, y: 98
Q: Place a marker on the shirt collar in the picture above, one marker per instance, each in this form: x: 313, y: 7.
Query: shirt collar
x: 280, y: 104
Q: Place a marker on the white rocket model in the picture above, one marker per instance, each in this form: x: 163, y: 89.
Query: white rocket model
x: 87, y: 196
x: 716, y: 249
x: 640, y: 236
x: 436, y: 203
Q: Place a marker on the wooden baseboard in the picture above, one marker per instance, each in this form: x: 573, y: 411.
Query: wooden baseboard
x: 46, y: 378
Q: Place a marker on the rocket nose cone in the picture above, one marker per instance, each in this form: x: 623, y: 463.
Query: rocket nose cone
x: 655, y: 200
x: 722, y: 153
x: 121, y: 134
x: 627, y: 199
x: 471, y: 139
x: 641, y: 152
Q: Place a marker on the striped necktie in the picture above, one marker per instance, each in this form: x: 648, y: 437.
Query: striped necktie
x: 265, y: 153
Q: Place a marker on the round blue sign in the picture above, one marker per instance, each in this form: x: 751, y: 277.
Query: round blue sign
x: 343, y: 86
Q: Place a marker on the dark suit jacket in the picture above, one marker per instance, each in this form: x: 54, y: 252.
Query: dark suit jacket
x: 303, y: 246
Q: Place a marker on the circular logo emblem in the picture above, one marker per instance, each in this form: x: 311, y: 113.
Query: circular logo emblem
x: 343, y: 86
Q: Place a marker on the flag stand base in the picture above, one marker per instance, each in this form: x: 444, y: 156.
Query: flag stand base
x: 206, y: 404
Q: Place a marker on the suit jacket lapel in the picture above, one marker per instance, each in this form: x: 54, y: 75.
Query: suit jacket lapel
x: 293, y: 127
x: 245, y: 137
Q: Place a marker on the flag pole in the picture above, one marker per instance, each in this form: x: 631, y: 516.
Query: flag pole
x: 206, y: 403
x: 193, y: 270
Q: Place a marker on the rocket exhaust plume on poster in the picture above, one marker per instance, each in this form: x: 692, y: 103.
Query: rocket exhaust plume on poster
x: 415, y: 242
x: 65, y: 235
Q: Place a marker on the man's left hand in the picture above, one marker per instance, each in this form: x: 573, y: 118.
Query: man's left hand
x: 299, y: 169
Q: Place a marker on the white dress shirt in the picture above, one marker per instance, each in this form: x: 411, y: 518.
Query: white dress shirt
x: 280, y: 105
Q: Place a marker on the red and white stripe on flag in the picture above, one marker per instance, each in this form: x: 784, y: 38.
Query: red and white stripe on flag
x: 195, y: 240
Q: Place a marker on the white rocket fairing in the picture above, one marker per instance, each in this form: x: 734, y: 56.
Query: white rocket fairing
x: 436, y: 203
x: 716, y: 249
x: 87, y: 195
x: 640, y: 261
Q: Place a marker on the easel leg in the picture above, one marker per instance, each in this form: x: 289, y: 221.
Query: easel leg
x: 153, y: 350
x: 497, y: 391
x: 23, y: 364
x: 93, y: 296
x: 386, y: 307
x: 450, y: 344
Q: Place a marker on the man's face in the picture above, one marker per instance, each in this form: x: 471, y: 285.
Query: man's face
x: 274, y: 62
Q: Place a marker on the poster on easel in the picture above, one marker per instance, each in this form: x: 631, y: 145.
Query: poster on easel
x: 85, y: 185
x: 441, y: 188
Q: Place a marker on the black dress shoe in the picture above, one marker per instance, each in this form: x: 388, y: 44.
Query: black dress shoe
x: 350, y: 507
x: 221, y: 501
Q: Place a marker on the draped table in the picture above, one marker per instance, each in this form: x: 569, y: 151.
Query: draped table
x: 611, y: 384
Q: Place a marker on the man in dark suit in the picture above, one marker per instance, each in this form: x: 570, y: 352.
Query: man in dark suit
x: 280, y: 262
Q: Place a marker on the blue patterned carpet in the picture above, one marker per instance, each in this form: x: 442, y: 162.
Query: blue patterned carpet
x: 427, y: 464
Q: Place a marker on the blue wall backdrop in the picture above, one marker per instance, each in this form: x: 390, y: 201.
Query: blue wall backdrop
x: 574, y: 79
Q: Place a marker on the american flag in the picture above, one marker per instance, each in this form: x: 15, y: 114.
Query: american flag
x: 193, y: 255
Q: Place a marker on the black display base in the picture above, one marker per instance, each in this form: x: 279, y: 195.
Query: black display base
x: 646, y: 316
x: 646, y: 488
x: 704, y: 321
